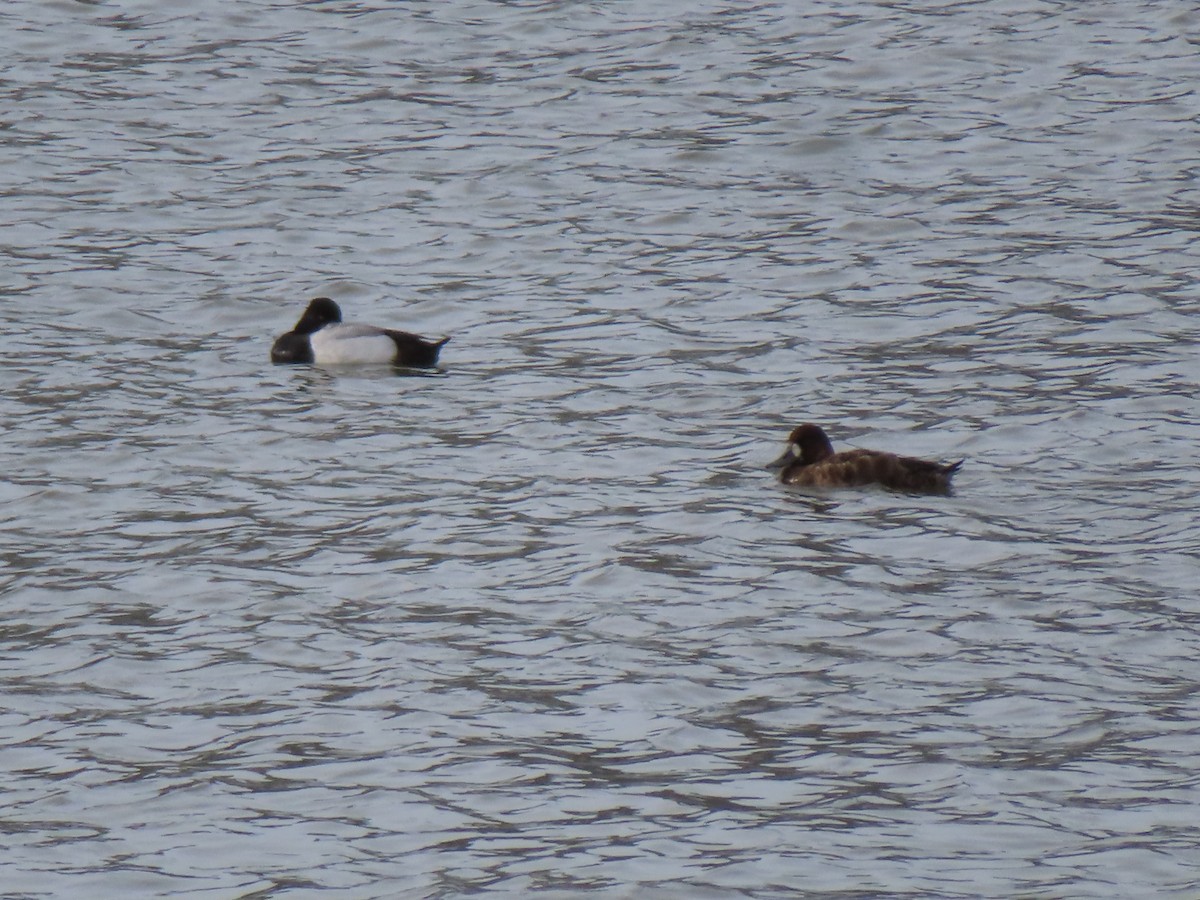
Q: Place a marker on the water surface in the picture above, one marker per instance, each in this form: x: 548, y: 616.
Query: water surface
x: 540, y: 622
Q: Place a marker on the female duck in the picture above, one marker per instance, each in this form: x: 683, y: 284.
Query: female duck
x: 321, y: 337
x: 810, y: 461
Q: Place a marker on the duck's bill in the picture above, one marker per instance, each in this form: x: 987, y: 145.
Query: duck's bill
x: 789, y: 457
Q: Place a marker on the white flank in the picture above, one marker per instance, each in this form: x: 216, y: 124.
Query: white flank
x: 340, y: 344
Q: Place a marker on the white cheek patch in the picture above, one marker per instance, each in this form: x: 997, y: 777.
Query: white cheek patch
x: 331, y: 349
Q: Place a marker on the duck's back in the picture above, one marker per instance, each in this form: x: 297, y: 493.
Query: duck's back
x: 855, y: 468
x: 852, y: 468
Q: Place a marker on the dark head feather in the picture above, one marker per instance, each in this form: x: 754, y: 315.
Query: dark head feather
x: 812, y: 442
x: 321, y: 312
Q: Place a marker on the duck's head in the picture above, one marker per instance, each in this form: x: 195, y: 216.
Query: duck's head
x: 321, y: 312
x: 807, y: 443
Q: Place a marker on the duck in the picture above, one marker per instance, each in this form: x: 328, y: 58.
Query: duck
x: 810, y: 461
x: 321, y: 337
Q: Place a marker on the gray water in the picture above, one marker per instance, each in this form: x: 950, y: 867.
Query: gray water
x: 541, y: 622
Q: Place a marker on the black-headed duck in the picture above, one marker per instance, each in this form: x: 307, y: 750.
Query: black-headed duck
x: 321, y: 337
x: 811, y: 461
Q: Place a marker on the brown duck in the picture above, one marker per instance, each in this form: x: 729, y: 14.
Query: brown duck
x: 810, y: 461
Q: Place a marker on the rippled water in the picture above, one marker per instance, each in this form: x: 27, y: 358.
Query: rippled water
x: 541, y: 622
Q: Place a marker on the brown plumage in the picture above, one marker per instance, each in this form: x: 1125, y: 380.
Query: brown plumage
x: 811, y: 461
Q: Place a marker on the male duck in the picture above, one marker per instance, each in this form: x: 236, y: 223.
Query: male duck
x: 810, y: 461
x: 321, y: 337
